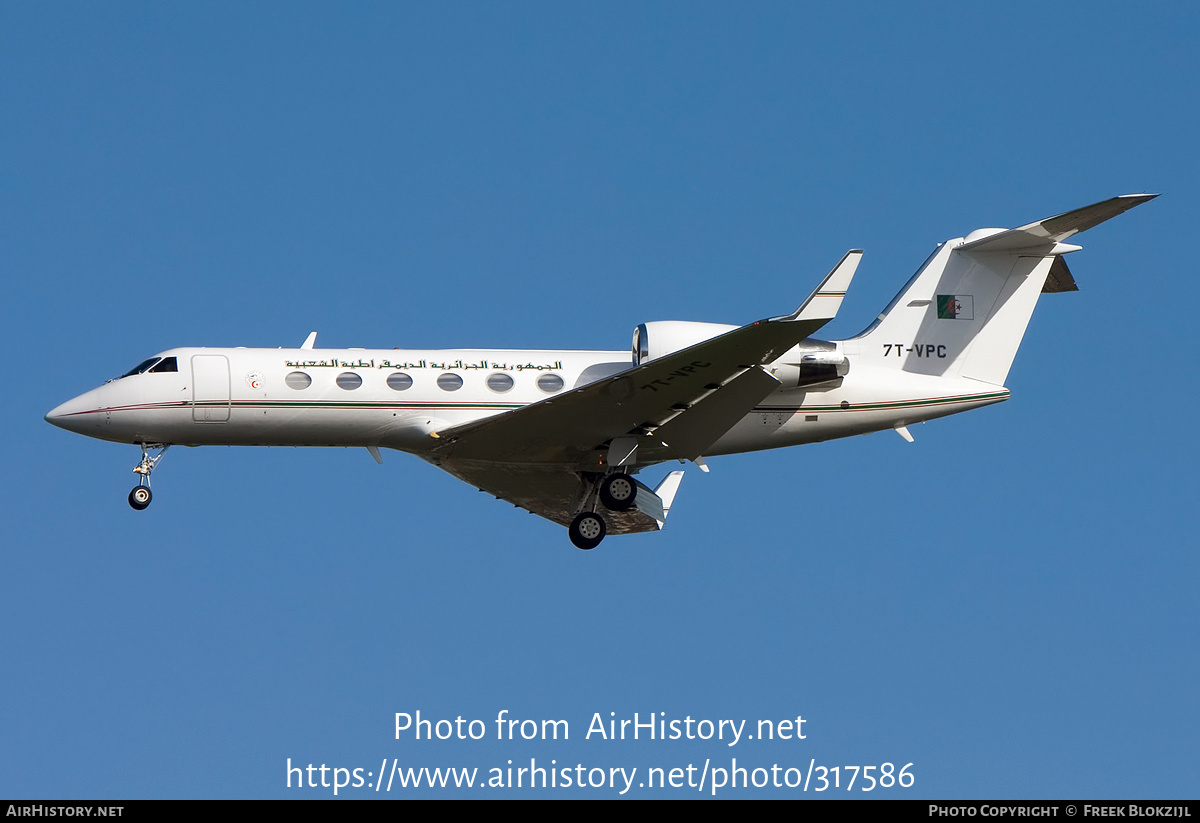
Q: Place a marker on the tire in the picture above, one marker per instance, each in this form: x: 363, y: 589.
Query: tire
x: 587, y: 530
x: 139, y: 498
x: 618, y: 492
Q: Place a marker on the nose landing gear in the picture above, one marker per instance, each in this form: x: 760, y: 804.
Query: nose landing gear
x: 140, y: 496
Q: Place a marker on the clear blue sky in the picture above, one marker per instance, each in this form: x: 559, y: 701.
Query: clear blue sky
x: 1009, y: 603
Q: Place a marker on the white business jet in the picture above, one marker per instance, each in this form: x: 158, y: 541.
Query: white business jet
x: 564, y: 433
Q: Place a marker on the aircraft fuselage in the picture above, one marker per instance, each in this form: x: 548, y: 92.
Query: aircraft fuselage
x: 397, y: 399
x: 562, y: 434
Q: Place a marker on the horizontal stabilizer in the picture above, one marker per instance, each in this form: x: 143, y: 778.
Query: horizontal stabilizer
x: 1059, y: 278
x: 1045, y: 234
x: 823, y: 304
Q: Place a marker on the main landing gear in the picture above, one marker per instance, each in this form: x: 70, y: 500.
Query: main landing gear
x: 617, y: 492
x: 140, y: 497
x: 587, y: 530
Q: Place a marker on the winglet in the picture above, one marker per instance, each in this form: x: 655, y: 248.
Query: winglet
x: 823, y: 304
x: 666, y: 492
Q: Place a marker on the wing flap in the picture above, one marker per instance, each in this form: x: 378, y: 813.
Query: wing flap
x: 687, y: 435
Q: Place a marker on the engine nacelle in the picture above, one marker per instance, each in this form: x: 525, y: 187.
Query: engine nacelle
x: 813, y: 363
x: 653, y: 340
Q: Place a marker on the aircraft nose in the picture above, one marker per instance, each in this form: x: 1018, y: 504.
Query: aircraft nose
x: 69, y: 415
x: 55, y: 416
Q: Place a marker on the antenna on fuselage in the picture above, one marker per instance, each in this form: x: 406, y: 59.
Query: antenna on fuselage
x: 310, y: 340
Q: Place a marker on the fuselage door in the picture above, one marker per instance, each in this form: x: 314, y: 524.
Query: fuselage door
x: 210, y: 388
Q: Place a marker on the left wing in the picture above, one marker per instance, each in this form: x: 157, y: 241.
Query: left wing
x: 695, y: 395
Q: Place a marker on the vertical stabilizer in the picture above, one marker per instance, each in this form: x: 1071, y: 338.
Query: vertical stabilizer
x: 965, y: 311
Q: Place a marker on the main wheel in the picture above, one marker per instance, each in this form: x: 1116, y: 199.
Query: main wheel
x: 587, y: 530
x: 139, y: 498
x: 618, y: 492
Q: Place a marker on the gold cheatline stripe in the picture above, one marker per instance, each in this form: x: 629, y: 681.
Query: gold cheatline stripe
x: 894, y: 404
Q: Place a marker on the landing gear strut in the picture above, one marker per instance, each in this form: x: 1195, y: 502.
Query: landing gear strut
x: 140, y: 497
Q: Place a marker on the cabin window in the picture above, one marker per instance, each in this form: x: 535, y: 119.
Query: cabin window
x: 499, y: 382
x: 399, y: 381
x: 165, y: 365
x: 348, y: 380
x: 550, y: 383
x: 140, y: 367
x: 298, y: 380
x: 449, y: 382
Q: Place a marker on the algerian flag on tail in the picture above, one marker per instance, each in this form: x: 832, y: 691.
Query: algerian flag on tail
x: 955, y: 307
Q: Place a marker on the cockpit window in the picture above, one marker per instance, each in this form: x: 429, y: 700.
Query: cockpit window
x: 140, y: 367
x: 166, y: 364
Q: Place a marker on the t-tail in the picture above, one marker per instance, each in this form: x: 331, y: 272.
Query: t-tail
x: 964, y: 312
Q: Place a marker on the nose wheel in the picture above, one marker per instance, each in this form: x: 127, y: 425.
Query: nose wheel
x: 140, y: 496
